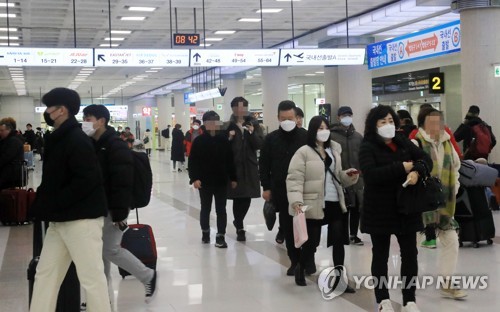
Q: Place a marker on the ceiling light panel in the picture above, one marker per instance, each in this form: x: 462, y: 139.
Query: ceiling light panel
x: 225, y: 32
x: 122, y: 32
x: 142, y: 9
x: 249, y: 20
x: 269, y: 11
x: 132, y: 18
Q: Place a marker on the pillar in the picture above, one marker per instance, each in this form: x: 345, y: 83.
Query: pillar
x: 22, y: 109
x: 164, y: 104
x: 181, y: 111
x: 451, y: 100
x: 234, y: 85
x: 274, y: 90
x: 480, y: 46
x: 355, y: 90
x: 331, y: 77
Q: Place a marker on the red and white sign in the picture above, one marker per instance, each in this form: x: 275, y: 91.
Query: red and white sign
x: 146, y: 111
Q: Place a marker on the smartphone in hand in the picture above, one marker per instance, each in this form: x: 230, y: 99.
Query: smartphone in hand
x: 351, y: 173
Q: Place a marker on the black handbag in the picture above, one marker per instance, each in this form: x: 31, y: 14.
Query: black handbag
x: 269, y: 215
x: 426, y: 195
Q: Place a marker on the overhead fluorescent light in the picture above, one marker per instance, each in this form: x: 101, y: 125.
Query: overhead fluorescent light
x: 9, y: 29
x: 151, y: 71
x: 214, y: 39
x: 83, y: 74
x: 310, y: 74
x: 320, y: 72
x: 205, y: 44
x: 225, y: 32
x: 5, y: 15
x: 155, y: 68
x: 107, y: 45
x: 142, y: 9
x: 12, y: 44
x: 249, y: 20
x: 269, y: 11
x: 132, y: 18
x: 11, y: 5
x: 123, y: 32
x: 88, y: 68
x: 9, y: 37
x: 114, y: 39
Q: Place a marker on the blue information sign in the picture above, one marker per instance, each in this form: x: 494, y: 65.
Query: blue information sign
x: 439, y: 40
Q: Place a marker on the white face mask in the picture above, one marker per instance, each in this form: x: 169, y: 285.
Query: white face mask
x: 88, y: 128
x: 346, y: 121
x: 387, y: 131
x: 195, y: 127
x: 323, y: 135
x: 288, y: 125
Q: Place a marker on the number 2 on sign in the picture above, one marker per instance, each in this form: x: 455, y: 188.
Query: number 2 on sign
x: 436, y: 83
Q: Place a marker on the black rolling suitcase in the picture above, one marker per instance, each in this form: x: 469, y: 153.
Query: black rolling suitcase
x: 68, y: 299
x: 140, y: 241
x: 474, y: 216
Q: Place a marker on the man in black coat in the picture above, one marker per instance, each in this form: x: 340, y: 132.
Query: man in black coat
x: 72, y: 198
x: 29, y: 136
x: 275, y: 156
x: 117, y: 167
x: 11, y: 154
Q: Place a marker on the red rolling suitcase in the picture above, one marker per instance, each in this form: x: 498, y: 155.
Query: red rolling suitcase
x: 140, y: 241
x: 15, y: 202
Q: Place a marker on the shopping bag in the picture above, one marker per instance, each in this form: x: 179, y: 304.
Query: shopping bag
x: 269, y: 215
x: 300, y: 229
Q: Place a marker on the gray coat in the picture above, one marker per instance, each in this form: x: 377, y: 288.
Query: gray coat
x: 350, y: 141
x: 244, y: 146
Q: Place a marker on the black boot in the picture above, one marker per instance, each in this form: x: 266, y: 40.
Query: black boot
x: 291, y: 269
x: 300, y: 277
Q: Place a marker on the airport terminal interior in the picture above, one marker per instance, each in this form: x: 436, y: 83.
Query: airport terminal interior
x: 155, y: 63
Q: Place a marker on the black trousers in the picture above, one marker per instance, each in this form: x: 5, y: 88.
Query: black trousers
x: 308, y: 249
x: 240, y: 209
x: 286, y: 226
x: 220, y: 195
x: 354, y: 218
x: 337, y: 231
x: 409, y: 264
x: 430, y: 232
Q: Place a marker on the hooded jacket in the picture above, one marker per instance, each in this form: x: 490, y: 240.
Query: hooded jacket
x: 72, y: 184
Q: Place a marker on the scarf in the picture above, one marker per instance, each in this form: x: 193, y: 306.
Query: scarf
x: 443, y: 216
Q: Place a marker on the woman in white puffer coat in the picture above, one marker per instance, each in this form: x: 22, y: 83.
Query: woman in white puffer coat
x: 306, y: 185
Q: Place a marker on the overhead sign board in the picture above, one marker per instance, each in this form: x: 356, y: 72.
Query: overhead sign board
x: 427, y: 43
x: 45, y: 57
x: 141, y: 58
x: 322, y: 57
x: 256, y: 57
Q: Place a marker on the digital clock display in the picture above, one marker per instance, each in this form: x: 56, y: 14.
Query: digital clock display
x: 187, y: 39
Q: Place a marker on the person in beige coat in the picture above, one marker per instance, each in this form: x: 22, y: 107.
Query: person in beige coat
x: 306, y: 186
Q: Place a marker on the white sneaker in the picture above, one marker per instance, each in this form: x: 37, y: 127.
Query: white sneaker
x: 453, y: 293
x: 410, y: 307
x: 385, y: 306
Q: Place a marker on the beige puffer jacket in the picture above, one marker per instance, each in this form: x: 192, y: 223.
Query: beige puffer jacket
x: 305, y: 182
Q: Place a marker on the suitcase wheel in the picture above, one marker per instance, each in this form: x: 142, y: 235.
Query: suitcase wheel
x: 475, y: 245
x: 490, y: 241
x: 460, y: 244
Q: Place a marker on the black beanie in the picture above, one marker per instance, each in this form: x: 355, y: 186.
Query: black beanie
x: 63, y: 97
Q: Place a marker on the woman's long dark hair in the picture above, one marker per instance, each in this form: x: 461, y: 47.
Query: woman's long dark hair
x: 312, y: 131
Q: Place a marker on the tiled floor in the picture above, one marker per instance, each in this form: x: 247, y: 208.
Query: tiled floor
x: 245, y: 277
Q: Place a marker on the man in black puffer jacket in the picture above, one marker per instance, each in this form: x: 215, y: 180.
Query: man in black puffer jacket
x: 117, y: 166
x: 71, y: 196
x: 11, y: 154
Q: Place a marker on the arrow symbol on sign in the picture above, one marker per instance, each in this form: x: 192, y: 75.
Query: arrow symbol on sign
x: 288, y: 57
x: 100, y: 57
x: 197, y: 56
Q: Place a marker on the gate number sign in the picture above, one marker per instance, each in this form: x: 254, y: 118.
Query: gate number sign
x: 436, y: 83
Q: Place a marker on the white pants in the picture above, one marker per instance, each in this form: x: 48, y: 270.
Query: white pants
x: 448, y: 253
x: 113, y: 252
x: 79, y: 241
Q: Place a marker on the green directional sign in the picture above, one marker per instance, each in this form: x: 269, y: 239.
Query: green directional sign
x: 497, y: 71
x: 219, y: 106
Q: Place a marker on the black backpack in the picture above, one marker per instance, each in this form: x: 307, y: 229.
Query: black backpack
x: 165, y: 133
x: 143, y: 180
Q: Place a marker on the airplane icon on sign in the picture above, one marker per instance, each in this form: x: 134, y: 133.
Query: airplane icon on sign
x: 301, y: 55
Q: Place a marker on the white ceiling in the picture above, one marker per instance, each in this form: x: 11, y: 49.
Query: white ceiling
x: 49, y: 23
